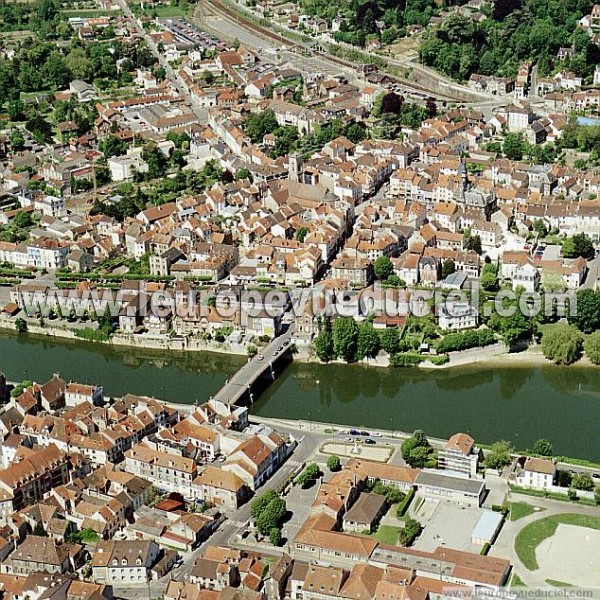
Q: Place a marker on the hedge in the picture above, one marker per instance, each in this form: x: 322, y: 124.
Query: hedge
x: 403, y: 506
x: 469, y: 339
x: 406, y: 359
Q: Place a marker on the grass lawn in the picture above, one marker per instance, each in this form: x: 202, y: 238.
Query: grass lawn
x: 89, y: 13
x: 515, y: 581
x: 387, y: 534
x: 519, y: 510
x: 555, y: 583
x: 532, y: 535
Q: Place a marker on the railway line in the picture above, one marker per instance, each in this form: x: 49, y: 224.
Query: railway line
x: 218, y: 9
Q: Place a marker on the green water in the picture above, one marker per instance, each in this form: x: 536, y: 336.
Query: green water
x: 174, y: 376
x: 516, y: 403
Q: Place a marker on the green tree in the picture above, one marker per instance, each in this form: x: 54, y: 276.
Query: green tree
x: 23, y: 219
x: 591, y: 346
x: 562, y: 344
x: 500, y: 455
x: 448, y: 267
x: 563, y: 478
x: 390, y: 340
x: 489, y: 281
x: 368, y: 341
x: 514, y: 146
x: 324, y: 348
x: 310, y: 474
x: 301, y: 233
x: 578, y: 245
x: 244, y: 173
x: 20, y: 325
x: 275, y: 536
x: 272, y: 516
x: 333, y: 463
x: 251, y: 351
x: 542, y: 447
x: 345, y: 338
x: 409, y: 533
x: 583, y: 481
x: 383, y: 267
x: 597, y: 495
x: 17, y: 141
x: 473, y: 242
x: 260, y: 503
x: 587, y: 318
x: 415, y: 449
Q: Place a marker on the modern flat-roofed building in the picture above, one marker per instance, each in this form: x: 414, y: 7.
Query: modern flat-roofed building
x: 440, y: 486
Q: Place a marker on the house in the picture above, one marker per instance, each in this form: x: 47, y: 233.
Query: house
x: 365, y: 513
x: 536, y: 473
x: 42, y: 554
x: 219, y: 487
x: 457, y: 316
x: 76, y: 393
x: 459, y: 455
x: 119, y: 562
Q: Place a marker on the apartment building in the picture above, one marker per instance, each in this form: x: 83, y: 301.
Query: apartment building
x: 165, y: 470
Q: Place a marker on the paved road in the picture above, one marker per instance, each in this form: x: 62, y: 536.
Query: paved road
x: 591, y: 280
x: 239, y: 384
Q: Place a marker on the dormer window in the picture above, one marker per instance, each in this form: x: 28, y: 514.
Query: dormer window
x: 124, y: 562
x: 138, y: 562
x: 115, y: 562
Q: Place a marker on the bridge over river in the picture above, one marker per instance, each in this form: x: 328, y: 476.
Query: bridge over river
x: 261, y: 365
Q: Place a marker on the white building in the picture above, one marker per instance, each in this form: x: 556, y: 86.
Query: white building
x: 537, y: 473
x: 123, y: 168
x: 457, y: 316
x: 460, y: 455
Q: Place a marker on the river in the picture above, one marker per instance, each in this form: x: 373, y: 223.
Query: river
x: 516, y: 403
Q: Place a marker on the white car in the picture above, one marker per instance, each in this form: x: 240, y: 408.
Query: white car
x: 261, y: 357
x: 376, y: 434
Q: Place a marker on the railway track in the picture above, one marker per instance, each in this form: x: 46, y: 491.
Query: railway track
x: 217, y: 8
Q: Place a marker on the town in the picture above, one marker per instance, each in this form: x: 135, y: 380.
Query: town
x: 285, y: 182
x: 134, y: 497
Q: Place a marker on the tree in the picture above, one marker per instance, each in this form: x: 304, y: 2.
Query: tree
x: 415, y: 449
x: 345, y: 338
x: 23, y: 219
x: 324, y: 341
x: 409, y: 533
x: 448, y: 267
x: 368, y: 341
x: 587, y: 318
x: 20, y: 325
x: 597, y: 495
x: 500, y: 455
x: 251, y: 351
x: 383, y: 267
x: 583, y: 481
x: 275, y: 536
x: 394, y: 281
x: 271, y: 516
x: 591, y: 346
x: 489, y: 281
x: 578, y: 245
x: 562, y: 344
x: 310, y: 474
x: 333, y: 463
x: 390, y: 340
x: 542, y: 447
x: 16, y: 109
x: 259, y: 505
x: 563, y: 478
x: 301, y: 233
x: 17, y: 141
x: 473, y: 242
x: 391, y: 103
x: 40, y: 530
x: 514, y: 146
x: 244, y: 173
x: 208, y: 77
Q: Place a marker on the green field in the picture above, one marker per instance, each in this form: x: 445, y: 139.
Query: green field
x: 515, y: 581
x: 89, y: 13
x: 560, y: 584
x: 520, y: 510
x: 532, y: 535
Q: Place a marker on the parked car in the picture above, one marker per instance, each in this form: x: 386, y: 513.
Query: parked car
x: 364, y: 433
x: 376, y: 434
x: 354, y: 432
x: 370, y: 442
x: 261, y: 357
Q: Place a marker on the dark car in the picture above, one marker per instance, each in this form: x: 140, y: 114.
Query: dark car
x: 354, y: 432
x: 370, y: 442
x: 364, y: 433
